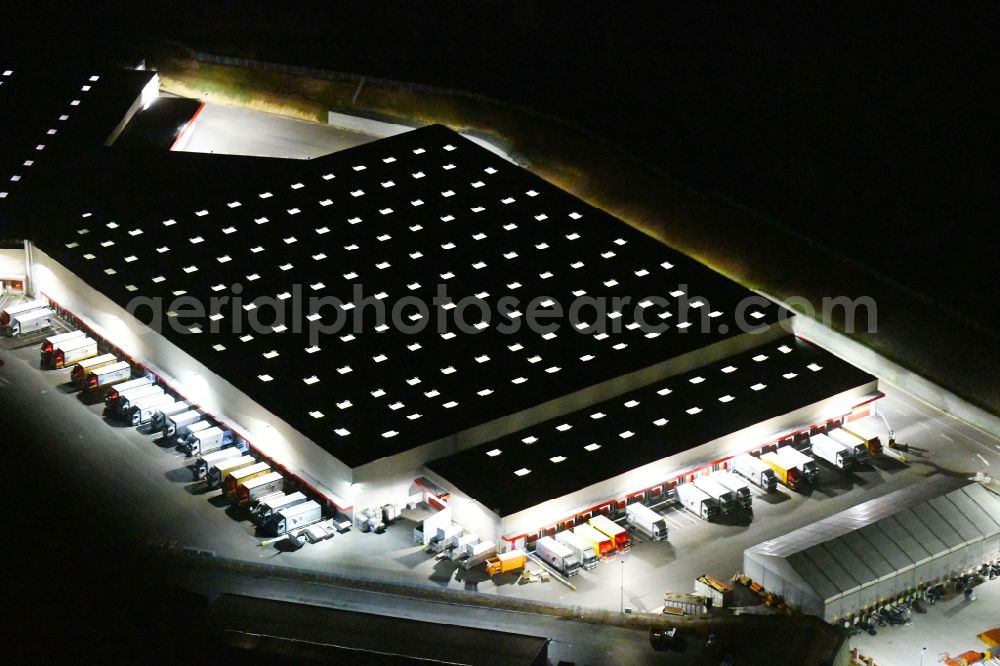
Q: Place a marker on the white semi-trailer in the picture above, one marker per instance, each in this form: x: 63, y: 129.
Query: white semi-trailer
x: 115, y: 393
x: 854, y: 444
x: 172, y: 423
x: 296, y: 517
x: 101, y: 380
x: 583, y: 549
x: 697, y: 501
x: 71, y: 352
x: 50, y: 342
x: 559, y: 556
x: 143, y: 410
x: 78, y: 375
x: 259, y: 486
x: 744, y: 498
x: 756, y: 470
x: 165, y: 412
x: 122, y: 407
x: 204, y: 463
x: 218, y: 472
x: 29, y: 322
x: 724, y: 496
x: 646, y: 521
x: 477, y: 553
x: 206, y: 441
x: 836, y: 453
x: 197, y: 426
x: 266, y: 509
x: 10, y: 314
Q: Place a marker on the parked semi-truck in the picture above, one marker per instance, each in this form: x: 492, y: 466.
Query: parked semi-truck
x: 69, y: 352
x: 236, y: 477
x: 647, y: 521
x: 204, y: 463
x: 737, y: 484
x: 697, y: 501
x: 218, y: 472
x: 263, y: 510
x: 143, y: 409
x: 559, y: 556
x: 618, y: 534
x: 857, y: 446
x: 118, y: 389
x: 603, y: 545
x: 206, y: 440
x: 756, y: 470
x: 866, y: 430
x: 50, y: 342
x: 120, y: 399
x: 584, y: 549
x: 477, y: 553
x: 266, y: 484
x: 165, y: 412
x: 30, y: 322
x: 9, y: 314
x: 831, y: 449
x: 512, y: 560
x: 172, y: 423
x: 295, y: 517
x: 810, y: 472
x: 78, y: 375
x: 724, y: 496
x: 785, y: 470
x: 101, y: 380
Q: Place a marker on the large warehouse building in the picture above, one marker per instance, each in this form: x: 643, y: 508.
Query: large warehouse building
x: 377, y: 322
x: 882, y: 551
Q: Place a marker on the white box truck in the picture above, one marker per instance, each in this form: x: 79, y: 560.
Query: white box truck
x: 756, y: 470
x: 172, y: 423
x: 559, y: 556
x: 583, y: 549
x: 477, y: 553
x: 697, y: 501
x: 296, y: 517
x: 810, y: 473
x: 29, y: 322
x: 118, y: 405
x: 218, y: 472
x: 857, y: 446
x: 71, y: 352
x: 78, y: 375
x: 7, y: 315
x: 206, y: 441
x: 836, y: 453
x: 204, y: 463
x: 646, y: 521
x: 744, y: 498
x: 118, y: 389
x: 143, y: 409
x: 102, y: 380
x: 266, y: 509
x: 50, y: 342
x: 724, y: 496
x: 161, y: 415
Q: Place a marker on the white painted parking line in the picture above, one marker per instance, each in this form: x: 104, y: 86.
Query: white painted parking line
x: 923, y: 425
x: 983, y: 459
x: 947, y: 437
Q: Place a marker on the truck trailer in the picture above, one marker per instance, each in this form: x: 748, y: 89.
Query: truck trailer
x: 584, y: 549
x: 617, y: 533
x: 603, y: 545
x: 70, y: 352
x: 78, y: 375
x: 118, y: 389
x: 172, y: 423
x: 295, y: 517
x: 834, y: 451
x: 218, y: 472
x: 101, y: 380
x: 143, y: 409
x: 204, y: 463
x: 648, y: 522
x: 477, y: 553
x: 756, y: 470
x: 697, y: 501
x: 857, y: 446
x: 810, y: 472
x: 206, y: 441
x: 50, y: 342
x: 238, y: 476
x: 512, y: 560
x: 737, y: 484
x: 866, y: 430
x: 29, y: 322
x: 559, y: 556
x: 266, y: 508
x: 259, y: 486
x: 120, y: 400
x: 166, y: 411
x: 724, y: 496
x: 9, y: 314
x: 785, y: 470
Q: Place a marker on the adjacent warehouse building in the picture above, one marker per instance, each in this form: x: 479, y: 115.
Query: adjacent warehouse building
x: 882, y: 551
x: 395, y: 311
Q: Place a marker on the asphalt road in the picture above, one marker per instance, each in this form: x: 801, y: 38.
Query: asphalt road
x: 236, y: 131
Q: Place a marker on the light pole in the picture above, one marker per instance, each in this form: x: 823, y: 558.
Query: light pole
x: 622, y: 588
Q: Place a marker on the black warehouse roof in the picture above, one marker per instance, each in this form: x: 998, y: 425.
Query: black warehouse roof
x: 566, y: 454
x: 399, y: 217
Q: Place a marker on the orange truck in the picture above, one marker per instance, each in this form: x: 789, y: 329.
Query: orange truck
x: 603, y: 545
x: 618, y: 534
x: 509, y: 561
